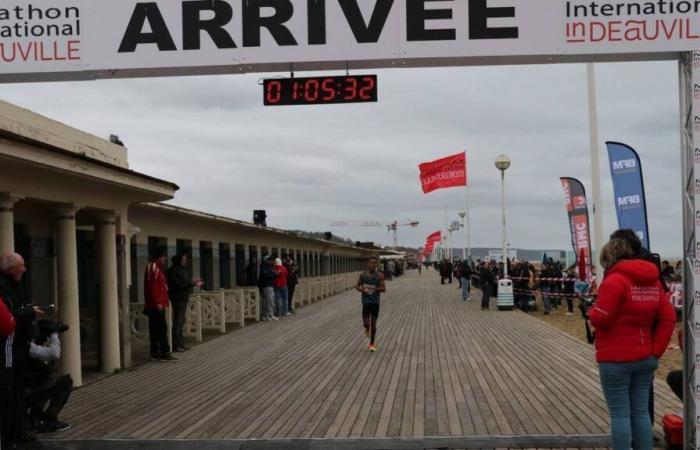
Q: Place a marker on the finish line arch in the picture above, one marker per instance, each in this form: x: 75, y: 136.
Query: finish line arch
x: 72, y: 40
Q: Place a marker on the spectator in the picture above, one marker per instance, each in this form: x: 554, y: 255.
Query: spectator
x: 292, y: 281
x: 390, y: 270
x: 569, y: 284
x: 7, y: 328
x: 465, y: 274
x: 521, y: 287
x: 156, y: 300
x: 556, y: 284
x: 546, y: 287
x: 43, y: 381
x: 666, y: 271
x: 266, y: 284
x: 179, y: 286
x: 16, y: 358
x: 281, y: 291
x: 445, y: 271
x: 251, y: 272
x: 487, y: 279
x: 634, y: 321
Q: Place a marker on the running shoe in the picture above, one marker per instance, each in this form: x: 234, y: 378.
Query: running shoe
x: 274, y: 318
x: 372, y: 348
x: 53, y: 426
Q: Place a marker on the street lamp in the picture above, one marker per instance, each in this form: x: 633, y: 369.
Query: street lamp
x: 462, y: 215
x: 454, y: 226
x: 505, y: 286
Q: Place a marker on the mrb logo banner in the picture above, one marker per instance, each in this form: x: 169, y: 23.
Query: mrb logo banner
x: 128, y: 38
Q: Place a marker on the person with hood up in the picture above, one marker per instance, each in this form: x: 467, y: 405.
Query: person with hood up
x: 281, y: 289
x: 179, y: 285
x: 634, y: 321
x: 155, y: 289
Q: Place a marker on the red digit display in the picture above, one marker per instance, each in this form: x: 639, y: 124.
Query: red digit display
x: 311, y: 92
x: 328, y: 87
x: 366, y: 92
x: 350, y: 88
x: 273, y: 92
x: 320, y: 90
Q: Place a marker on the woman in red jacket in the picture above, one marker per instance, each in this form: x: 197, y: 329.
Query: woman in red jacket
x: 634, y: 321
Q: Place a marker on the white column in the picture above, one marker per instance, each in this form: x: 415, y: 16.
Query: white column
x: 68, y: 301
x: 106, y: 235
x: 7, y: 222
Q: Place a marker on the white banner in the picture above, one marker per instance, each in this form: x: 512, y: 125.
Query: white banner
x: 71, y: 39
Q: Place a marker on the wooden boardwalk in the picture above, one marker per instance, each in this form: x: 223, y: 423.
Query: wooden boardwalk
x: 444, y: 368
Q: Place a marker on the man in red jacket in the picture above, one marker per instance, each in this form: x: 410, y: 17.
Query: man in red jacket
x: 634, y: 321
x: 156, y: 300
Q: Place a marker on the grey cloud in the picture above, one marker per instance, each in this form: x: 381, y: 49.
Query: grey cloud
x: 310, y: 166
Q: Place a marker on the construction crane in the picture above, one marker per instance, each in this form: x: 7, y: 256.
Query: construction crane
x: 392, y: 228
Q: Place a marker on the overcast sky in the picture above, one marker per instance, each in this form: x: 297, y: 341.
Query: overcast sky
x: 310, y: 166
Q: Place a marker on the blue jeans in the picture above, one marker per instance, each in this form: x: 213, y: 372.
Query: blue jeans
x: 465, y: 288
x: 281, y: 299
x: 626, y: 388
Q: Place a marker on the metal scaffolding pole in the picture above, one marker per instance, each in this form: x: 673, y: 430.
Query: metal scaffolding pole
x: 688, y: 76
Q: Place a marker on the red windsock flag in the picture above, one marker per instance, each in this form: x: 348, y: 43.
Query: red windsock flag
x: 444, y: 173
x: 435, y: 237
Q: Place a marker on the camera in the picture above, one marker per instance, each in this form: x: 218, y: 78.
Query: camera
x: 47, y: 327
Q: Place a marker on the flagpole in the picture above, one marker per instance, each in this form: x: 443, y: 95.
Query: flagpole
x: 595, y: 171
x: 447, y: 239
x: 467, y: 229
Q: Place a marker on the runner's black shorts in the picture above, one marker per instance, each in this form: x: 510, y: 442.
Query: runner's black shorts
x: 370, y: 309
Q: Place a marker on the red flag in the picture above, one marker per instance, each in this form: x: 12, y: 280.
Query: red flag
x: 435, y: 237
x: 444, y: 173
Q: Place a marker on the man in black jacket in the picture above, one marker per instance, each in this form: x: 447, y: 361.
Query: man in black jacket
x: 13, y: 363
x: 179, y: 285
x: 251, y: 272
x: 292, y: 281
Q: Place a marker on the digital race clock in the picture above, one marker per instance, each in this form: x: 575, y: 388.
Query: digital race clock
x: 320, y: 90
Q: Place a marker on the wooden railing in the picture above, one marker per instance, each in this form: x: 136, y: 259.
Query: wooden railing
x: 216, y: 309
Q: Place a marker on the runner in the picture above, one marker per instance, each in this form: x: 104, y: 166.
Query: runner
x: 371, y: 284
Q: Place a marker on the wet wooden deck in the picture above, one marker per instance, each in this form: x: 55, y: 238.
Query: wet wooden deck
x: 444, y: 368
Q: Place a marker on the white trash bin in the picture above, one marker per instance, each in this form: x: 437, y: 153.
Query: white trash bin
x: 505, y: 295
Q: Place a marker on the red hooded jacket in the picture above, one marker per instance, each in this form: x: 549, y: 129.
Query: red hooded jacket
x: 633, y: 317
x: 7, y: 320
x: 155, y: 288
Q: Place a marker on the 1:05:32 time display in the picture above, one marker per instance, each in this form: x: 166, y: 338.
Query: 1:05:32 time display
x: 320, y: 90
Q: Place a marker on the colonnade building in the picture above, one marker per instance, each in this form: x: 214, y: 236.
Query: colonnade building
x: 87, y: 226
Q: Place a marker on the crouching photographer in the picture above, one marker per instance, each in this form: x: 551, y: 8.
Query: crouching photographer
x: 43, y: 383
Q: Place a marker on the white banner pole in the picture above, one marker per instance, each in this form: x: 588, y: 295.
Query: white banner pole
x: 595, y: 171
